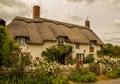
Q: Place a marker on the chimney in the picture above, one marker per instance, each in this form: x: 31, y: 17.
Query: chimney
x: 87, y: 23
x: 36, y: 11
x: 2, y: 22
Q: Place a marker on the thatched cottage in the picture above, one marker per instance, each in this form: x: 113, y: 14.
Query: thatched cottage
x: 40, y: 33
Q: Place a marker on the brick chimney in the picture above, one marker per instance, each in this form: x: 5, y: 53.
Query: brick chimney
x: 2, y: 22
x: 87, y: 23
x: 36, y: 11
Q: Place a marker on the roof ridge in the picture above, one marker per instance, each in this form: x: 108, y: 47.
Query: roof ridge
x: 41, y: 20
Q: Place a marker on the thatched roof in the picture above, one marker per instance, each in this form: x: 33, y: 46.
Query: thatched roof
x: 40, y: 30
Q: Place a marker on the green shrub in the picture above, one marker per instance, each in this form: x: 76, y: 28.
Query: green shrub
x: 89, y: 59
x: 88, y: 77
x: 112, y: 74
x: 118, y: 72
x: 59, y: 79
x: 83, y: 76
x: 75, y: 77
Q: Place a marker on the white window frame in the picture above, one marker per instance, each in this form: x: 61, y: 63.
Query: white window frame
x: 80, y: 56
x: 21, y: 41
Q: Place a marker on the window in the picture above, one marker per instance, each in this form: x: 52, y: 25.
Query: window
x: 91, y: 44
x: 21, y: 40
x: 77, y: 45
x: 80, y: 56
x: 61, y: 40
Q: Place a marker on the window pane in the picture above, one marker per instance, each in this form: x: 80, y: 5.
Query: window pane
x: 21, y: 40
x: 61, y: 41
x: 79, y: 56
x: 77, y: 45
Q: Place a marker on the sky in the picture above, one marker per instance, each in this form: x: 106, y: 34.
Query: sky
x: 104, y: 15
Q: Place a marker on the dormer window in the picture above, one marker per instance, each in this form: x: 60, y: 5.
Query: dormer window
x: 77, y: 45
x: 91, y: 44
x: 21, y: 40
x: 61, y: 40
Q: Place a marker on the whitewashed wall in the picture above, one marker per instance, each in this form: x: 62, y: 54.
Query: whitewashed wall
x: 36, y: 49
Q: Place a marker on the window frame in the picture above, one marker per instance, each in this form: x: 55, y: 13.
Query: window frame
x: 61, y: 40
x: 21, y: 40
x: 77, y: 45
x: 80, y: 56
x: 92, y: 44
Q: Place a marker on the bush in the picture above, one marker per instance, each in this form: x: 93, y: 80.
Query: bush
x: 83, y: 76
x: 75, y: 77
x: 115, y: 73
x: 112, y: 74
x: 88, y: 77
x: 118, y: 72
x: 89, y: 59
x: 59, y: 79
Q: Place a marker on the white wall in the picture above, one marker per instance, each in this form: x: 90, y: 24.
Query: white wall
x: 36, y: 49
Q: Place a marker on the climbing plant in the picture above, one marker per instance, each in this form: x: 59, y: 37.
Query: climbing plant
x: 57, y: 53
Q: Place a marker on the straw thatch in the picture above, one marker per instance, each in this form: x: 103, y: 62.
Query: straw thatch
x: 40, y: 30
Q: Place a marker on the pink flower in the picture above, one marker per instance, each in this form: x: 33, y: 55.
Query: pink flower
x: 27, y: 47
x: 37, y: 58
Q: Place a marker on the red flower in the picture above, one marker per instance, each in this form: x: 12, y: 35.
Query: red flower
x: 79, y: 63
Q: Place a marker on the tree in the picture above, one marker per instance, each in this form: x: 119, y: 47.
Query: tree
x: 110, y: 50
x: 57, y: 53
x: 6, y: 46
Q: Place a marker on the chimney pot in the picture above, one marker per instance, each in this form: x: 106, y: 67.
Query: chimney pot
x: 36, y: 11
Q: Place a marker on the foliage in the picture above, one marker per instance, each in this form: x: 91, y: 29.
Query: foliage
x: 72, y: 61
x: 59, y: 79
x: 6, y: 46
x: 110, y: 50
x: 21, y: 71
x: 89, y: 59
x: 57, y: 53
x: 114, y: 73
x: 82, y: 76
x: 52, y: 79
x: 111, y: 74
x: 118, y: 71
x: 88, y: 77
x: 18, y: 61
x: 110, y: 63
x: 75, y: 77
x: 40, y: 80
x: 49, y: 73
